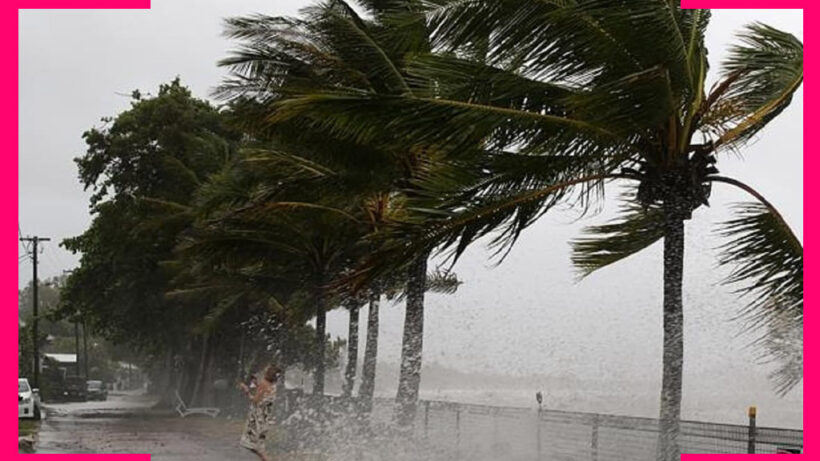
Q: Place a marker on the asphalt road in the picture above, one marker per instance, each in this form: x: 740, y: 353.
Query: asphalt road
x: 125, y: 424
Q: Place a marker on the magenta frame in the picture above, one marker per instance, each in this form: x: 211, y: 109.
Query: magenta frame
x: 810, y: 12
x: 9, y: 23
x: 9, y: 35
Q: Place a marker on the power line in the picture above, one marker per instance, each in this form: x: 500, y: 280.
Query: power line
x: 22, y: 241
x: 34, y: 242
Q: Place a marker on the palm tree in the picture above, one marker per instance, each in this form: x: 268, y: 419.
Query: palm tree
x: 262, y: 236
x: 540, y: 103
x: 352, y: 347
x: 332, y: 47
x: 260, y: 186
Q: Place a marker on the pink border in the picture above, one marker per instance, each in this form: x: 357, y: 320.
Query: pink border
x: 9, y: 188
x: 809, y: 164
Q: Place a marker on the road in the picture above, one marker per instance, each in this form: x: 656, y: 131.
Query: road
x: 125, y: 424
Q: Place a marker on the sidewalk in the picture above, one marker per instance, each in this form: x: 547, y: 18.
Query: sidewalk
x: 128, y: 423
x: 165, y: 438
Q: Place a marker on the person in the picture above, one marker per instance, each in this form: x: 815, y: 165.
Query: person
x: 260, y: 413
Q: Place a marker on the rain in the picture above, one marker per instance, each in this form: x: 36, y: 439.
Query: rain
x: 544, y: 245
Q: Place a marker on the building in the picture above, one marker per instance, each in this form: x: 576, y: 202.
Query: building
x: 66, y: 363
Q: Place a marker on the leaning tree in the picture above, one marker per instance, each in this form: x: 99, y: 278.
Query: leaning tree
x: 565, y: 97
x: 332, y: 47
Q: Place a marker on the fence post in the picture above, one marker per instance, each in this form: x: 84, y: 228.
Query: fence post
x: 458, y: 433
x: 596, y: 423
x: 538, y: 431
x: 494, y: 413
x: 426, y: 416
x: 752, y: 428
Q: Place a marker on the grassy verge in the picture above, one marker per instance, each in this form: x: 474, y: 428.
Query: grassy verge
x: 28, y: 427
x: 28, y: 431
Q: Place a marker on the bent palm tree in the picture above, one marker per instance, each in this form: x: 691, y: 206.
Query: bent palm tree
x: 332, y: 47
x: 261, y: 230
x: 539, y: 103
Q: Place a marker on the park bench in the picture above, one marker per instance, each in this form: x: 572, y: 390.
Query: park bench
x: 184, y: 410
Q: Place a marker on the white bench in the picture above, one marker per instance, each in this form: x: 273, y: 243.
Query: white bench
x: 184, y: 410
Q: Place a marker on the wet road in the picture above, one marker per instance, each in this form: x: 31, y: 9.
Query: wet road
x: 125, y: 424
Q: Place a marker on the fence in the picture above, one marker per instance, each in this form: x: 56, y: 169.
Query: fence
x: 475, y: 432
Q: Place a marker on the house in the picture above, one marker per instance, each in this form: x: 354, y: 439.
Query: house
x: 66, y: 363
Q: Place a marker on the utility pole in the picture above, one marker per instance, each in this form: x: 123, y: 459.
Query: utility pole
x: 85, y: 348
x: 35, y: 285
x: 77, y: 345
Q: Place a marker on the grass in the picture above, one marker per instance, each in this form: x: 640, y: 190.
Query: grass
x: 27, y: 427
x: 28, y: 430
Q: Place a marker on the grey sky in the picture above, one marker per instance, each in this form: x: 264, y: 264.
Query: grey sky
x: 530, y: 315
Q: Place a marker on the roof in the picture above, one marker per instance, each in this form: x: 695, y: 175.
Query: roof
x: 62, y: 358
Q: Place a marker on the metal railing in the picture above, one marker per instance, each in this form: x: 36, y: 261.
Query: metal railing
x: 477, y: 432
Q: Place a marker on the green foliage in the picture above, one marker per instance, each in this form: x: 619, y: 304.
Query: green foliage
x: 423, y: 125
x: 760, y: 78
x: 159, y: 150
x: 25, y: 351
x: 634, y: 230
x: 766, y: 256
x: 162, y: 147
x: 513, y: 108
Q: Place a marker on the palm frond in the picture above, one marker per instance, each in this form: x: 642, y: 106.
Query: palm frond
x: 767, y: 265
x: 760, y: 76
x: 399, y: 121
x: 574, y: 40
x: 452, y: 230
x: 766, y: 256
x: 443, y: 282
x: 634, y: 230
x: 277, y: 158
x: 394, y: 286
x: 781, y: 345
x: 625, y: 105
x: 353, y: 40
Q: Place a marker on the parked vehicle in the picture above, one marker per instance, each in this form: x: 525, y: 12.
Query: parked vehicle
x: 28, y: 400
x: 75, y: 389
x: 95, y: 390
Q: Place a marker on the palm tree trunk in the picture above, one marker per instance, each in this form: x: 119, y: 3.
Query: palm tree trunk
x: 321, y: 346
x: 200, y: 376
x: 352, y: 350
x: 207, y: 389
x: 411, y: 350
x: 671, y: 387
x: 371, y: 352
x: 165, y: 387
x: 240, y: 371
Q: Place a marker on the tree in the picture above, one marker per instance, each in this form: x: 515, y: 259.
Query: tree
x: 396, y: 289
x: 329, y: 48
x: 537, y: 104
x: 162, y: 148
x: 264, y: 234
x: 353, y: 305
x: 50, y: 329
x: 25, y: 351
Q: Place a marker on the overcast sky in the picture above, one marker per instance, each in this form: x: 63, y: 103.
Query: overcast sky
x: 530, y: 315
